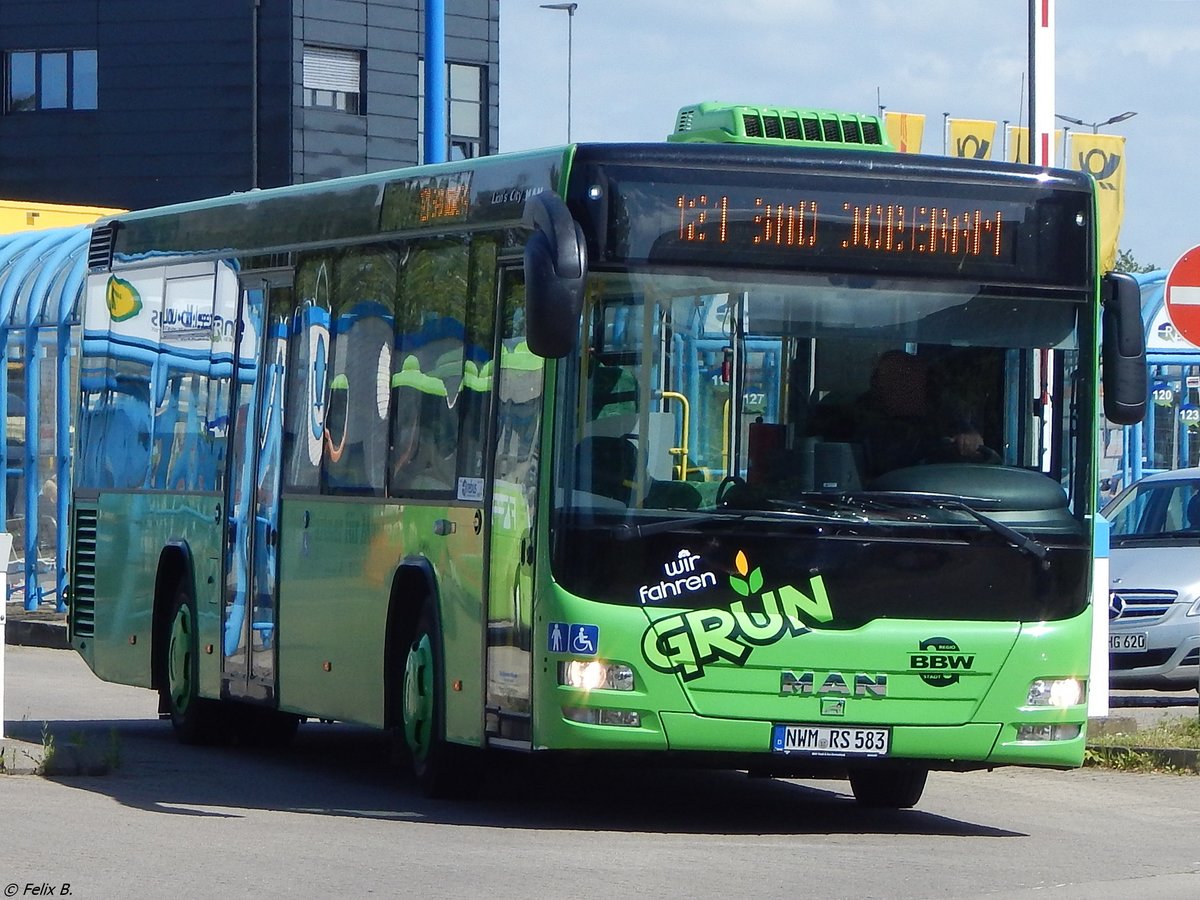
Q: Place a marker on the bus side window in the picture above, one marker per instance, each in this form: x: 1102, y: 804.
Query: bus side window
x: 474, y: 399
x: 307, y: 377
x: 427, y: 372
x: 356, y: 414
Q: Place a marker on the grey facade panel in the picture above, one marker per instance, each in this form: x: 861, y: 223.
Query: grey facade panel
x: 350, y: 12
x: 393, y: 127
x: 380, y: 60
x: 388, y: 85
x: 466, y: 50
x: 468, y: 27
x: 400, y: 17
x: 334, y: 34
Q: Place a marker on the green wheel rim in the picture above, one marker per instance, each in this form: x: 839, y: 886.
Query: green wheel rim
x: 179, y: 659
x: 418, y: 697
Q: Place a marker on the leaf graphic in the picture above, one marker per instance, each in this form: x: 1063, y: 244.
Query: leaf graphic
x: 740, y: 561
x: 756, y: 581
x: 123, y: 299
x: 740, y: 586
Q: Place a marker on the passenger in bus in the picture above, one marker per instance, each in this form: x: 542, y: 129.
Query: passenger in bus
x: 901, y: 425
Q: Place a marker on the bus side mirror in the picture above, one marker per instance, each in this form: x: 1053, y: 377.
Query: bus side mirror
x: 1123, y: 350
x: 555, y: 271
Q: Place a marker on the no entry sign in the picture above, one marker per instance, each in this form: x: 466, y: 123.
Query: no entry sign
x: 1182, y: 296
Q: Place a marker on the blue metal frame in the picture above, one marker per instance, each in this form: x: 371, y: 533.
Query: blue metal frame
x: 1138, y: 444
x: 41, y: 281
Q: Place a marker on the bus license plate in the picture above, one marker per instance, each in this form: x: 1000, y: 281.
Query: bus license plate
x: 1127, y: 641
x: 829, y: 740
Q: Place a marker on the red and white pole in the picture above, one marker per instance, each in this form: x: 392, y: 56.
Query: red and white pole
x: 1041, y: 82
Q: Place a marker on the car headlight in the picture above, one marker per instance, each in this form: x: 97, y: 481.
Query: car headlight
x: 1194, y: 610
x: 1060, y: 692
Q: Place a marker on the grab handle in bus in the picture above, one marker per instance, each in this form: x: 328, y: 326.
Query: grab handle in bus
x: 682, y: 450
x: 1124, y: 350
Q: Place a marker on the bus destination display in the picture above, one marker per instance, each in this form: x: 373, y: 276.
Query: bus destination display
x: 951, y: 231
x: 891, y: 227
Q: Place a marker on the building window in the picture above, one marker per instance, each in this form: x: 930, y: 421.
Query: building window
x: 50, y: 79
x: 333, y: 79
x: 466, y: 108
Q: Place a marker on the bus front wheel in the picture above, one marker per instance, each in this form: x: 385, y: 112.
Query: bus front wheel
x: 888, y: 788
x: 423, y: 710
x: 193, y: 717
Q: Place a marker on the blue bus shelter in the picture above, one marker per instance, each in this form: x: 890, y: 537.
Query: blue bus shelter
x: 1169, y: 438
x: 42, y: 277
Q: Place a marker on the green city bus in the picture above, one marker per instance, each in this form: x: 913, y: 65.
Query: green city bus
x: 576, y: 451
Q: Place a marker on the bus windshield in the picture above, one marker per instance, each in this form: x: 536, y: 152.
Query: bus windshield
x: 883, y: 411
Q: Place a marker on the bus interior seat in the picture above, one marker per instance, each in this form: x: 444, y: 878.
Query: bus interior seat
x: 607, y: 465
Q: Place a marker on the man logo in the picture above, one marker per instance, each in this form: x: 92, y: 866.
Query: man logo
x: 939, y: 662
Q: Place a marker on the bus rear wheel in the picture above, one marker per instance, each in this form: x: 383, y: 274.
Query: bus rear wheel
x: 194, y: 718
x: 888, y: 788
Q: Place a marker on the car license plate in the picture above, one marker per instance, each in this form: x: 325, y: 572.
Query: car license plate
x: 1127, y: 641
x: 830, y: 740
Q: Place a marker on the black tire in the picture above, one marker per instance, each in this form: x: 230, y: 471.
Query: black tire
x: 888, y: 788
x: 435, y: 762
x: 196, y: 720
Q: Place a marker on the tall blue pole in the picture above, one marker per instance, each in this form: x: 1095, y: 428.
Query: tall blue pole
x: 435, y: 81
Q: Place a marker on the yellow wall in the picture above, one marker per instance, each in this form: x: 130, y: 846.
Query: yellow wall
x: 20, y: 215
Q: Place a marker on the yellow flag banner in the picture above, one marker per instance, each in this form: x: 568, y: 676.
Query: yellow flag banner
x: 905, y: 130
x: 1103, y: 157
x: 1018, y: 145
x: 971, y: 138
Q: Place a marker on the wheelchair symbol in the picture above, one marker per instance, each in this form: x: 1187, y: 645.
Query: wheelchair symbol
x: 584, y: 639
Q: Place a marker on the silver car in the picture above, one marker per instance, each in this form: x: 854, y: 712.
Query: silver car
x: 1154, y: 594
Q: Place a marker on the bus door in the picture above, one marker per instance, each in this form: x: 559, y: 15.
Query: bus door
x: 517, y: 398
x: 249, y: 618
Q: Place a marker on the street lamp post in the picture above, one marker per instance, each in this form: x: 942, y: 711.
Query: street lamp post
x: 1096, y: 126
x: 569, y: 9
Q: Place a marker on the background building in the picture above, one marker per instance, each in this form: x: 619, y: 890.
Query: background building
x: 141, y: 103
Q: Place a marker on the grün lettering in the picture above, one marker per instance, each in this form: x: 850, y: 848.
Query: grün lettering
x: 758, y: 628
x: 714, y: 632
x: 671, y: 650
x: 793, y: 602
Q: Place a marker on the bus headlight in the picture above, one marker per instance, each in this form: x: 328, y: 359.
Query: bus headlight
x: 1048, y: 732
x: 1058, y: 692
x: 622, y: 718
x: 595, y: 675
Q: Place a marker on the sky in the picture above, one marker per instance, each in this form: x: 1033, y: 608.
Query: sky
x: 636, y: 62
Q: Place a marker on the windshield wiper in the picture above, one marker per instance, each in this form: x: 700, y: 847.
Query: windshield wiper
x: 628, y: 531
x: 931, y: 500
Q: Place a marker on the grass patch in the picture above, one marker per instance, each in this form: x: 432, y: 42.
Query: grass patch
x: 1169, y: 747
x: 1174, y: 734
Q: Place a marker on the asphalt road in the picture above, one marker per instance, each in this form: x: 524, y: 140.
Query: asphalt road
x: 332, y: 817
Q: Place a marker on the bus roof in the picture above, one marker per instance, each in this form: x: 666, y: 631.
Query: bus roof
x: 489, y: 192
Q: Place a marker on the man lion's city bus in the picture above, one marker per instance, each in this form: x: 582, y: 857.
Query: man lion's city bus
x: 580, y: 450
